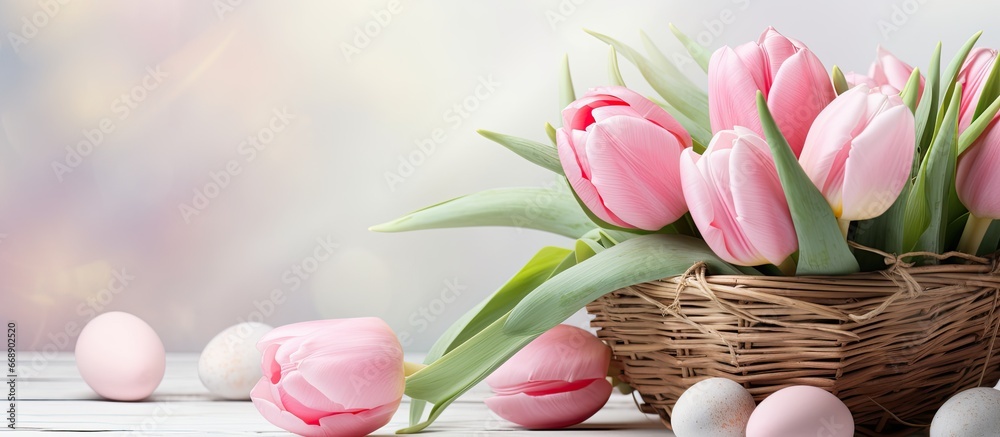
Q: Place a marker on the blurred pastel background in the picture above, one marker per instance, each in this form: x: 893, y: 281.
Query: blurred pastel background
x: 173, y: 214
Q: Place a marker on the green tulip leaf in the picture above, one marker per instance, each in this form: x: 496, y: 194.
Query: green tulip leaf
x: 839, y: 81
x: 978, y: 126
x: 911, y: 91
x: 614, y: 74
x: 567, y: 262
x: 669, y: 82
x: 884, y: 233
x: 550, y: 131
x: 697, y: 52
x: 637, y: 260
x: 542, y: 266
x: 586, y: 249
x: 927, y: 108
x: 990, y: 92
x: 822, y: 247
x: 461, y: 369
x: 641, y: 259
x: 699, y: 134
x: 543, y: 155
x: 545, y: 209
x: 566, y: 93
x: 952, y: 72
x: 927, y: 209
x: 991, y: 241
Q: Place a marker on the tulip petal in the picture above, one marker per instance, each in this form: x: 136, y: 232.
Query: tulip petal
x: 357, y: 424
x: 563, y: 353
x: 978, y: 180
x: 778, y: 48
x: 552, y: 411
x: 759, y: 201
x: 634, y: 164
x: 584, y: 189
x: 890, y: 70
x: 266, y: 404
x: 732, y: 93
x: 831, y: 133
x: 972, y: 77
x: 645, y: 108
x: 854, y: 79
x: 801, y: 89
x: 707, y: 192
x: 361, y: 367
x: 305, y: 401
x: 755, y: 61
x: 352, y: 424
x: 879, y: 164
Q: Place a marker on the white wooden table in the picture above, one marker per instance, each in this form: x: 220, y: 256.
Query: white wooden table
x: 57, y: 399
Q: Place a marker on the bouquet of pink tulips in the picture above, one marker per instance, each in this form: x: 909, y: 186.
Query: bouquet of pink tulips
x: 782, y: 167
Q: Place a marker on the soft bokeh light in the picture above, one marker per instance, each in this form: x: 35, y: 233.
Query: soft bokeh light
x: 205, y: 226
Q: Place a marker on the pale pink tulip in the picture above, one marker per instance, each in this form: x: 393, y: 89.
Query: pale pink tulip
x: 978, y: 177
x: 619, y: 151
x: 973, y: 76
x: 890, y: 70
x: 736, y: 199
x: 854, y: 79
x: 557, y: 380
x: 792, y: 78
x: 859, y: 151
x: 330, y: 378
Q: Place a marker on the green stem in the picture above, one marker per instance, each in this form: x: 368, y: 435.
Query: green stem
x: 411, y: 368
x: 972, y: 237
x: 845, y: 225
x: 788, y: 266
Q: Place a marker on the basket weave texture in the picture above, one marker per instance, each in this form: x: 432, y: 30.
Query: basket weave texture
x: 893, y: 345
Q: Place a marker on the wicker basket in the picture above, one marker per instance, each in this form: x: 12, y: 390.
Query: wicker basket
x: 893, y: 345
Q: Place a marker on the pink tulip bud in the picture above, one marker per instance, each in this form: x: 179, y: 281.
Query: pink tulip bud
x: 557, y: 380
x: 854, y: 79
x: 736, y: 199
x: 890, y: 70
x: 792, y: 78
x: 859, y: 151
x: 973, y: 77
x: 619, y: 151
x: 978, y: 178
x: 330, y: 377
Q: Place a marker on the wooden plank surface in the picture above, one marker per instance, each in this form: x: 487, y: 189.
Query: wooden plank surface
x: 53, y: 397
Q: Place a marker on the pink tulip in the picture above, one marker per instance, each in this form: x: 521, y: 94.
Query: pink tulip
x: 977, y: 179
x: 791, y: 77
x: 736, y: 199
x: 859, y: 151
x: 330, y: 377
x: 557, y: 380
x: 973, y: 76
x: 619, y: 152
x: 854, y: 79
x: 890, y: 70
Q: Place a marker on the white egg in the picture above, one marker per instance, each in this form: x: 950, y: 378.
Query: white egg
x: 120, y: 356
x: 230, y: 363
x: 972, y: 413
x: 715, y: 407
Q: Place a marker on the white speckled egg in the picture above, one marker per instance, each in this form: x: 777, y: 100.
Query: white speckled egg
x: 972, y: 413
x: 799, y: 411
x: 715, y: 407
x: 120, y: 356
x: 230, y: 363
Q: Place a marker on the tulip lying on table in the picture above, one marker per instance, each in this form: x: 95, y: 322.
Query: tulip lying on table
x: 329, y: 378
x: 557, y: 380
